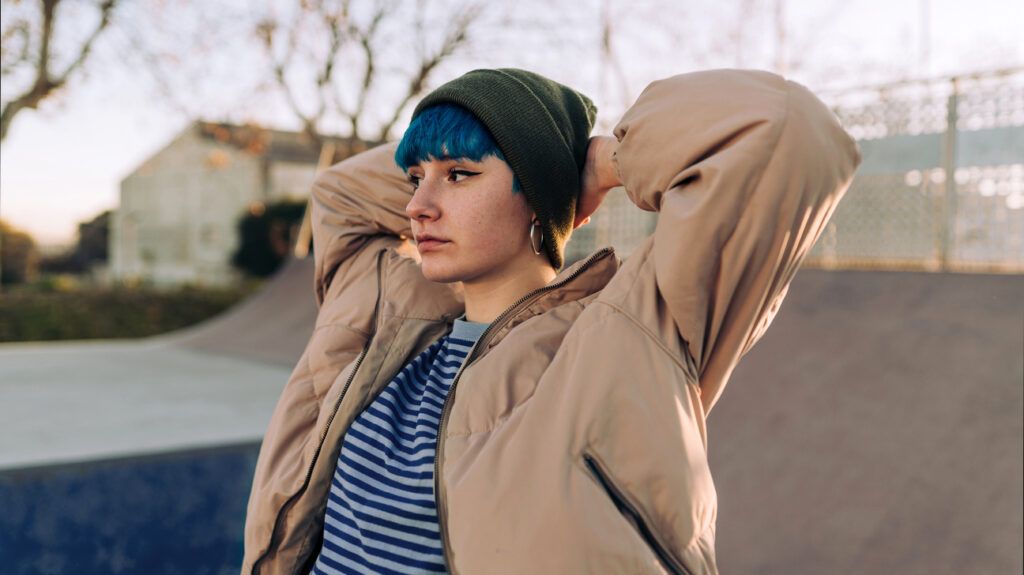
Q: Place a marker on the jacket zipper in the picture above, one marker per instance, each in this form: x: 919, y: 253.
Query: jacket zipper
x: 627, y: 509
x: 445, y: 407
x: 330, y: 419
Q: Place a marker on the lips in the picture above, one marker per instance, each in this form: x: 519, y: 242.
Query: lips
x: 426, y: 242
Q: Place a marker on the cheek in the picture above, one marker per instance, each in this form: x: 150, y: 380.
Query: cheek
x: 496, y: 226
x: 489, y: 225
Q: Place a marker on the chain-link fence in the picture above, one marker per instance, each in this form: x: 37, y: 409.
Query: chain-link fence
x: 941, y: 186
x: 902, y: 211
x: 618, y: 222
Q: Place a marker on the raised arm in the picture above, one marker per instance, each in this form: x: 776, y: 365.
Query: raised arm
x: 358, y: 206
x: 355, y: 203
x: 745, y: 169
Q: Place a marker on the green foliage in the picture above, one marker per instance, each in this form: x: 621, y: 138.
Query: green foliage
x: 90, y: 248
x: 19, y: 258
x: 53, y: 311
x: 265, y: 236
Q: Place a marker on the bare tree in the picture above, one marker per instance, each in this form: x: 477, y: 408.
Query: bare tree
x: 327, y: 59
x: 29, y: 50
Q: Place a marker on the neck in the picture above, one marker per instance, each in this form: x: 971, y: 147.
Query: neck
x: 487, y: 297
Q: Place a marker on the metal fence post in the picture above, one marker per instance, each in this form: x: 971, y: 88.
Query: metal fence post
x: 949, y: 167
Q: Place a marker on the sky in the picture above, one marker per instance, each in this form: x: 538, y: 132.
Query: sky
x: 62, y: 164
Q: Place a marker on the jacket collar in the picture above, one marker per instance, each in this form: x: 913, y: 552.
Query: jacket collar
x: 580, y: 280
x: 407, y: 294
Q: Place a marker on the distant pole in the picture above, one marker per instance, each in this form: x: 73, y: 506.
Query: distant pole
x: 605, y: 47
x: 924, y: 47
x: 609, y: 63
x: 306, y: 229
x: 780, y: 37
x: 949, y: 161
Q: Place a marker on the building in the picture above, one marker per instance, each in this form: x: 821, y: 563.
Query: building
x: 179, y: 210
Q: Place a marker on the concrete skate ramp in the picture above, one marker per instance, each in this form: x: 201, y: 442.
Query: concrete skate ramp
x: 213, y: 384
x: 271, y: 326
x: 159, y: 433
x: 877, y: 428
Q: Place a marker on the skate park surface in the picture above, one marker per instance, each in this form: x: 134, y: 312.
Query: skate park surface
x: 208, y: 385
x: 136, y: 456
x: 877, y: 426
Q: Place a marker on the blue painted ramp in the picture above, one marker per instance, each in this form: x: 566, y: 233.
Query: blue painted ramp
x: 136, y: 456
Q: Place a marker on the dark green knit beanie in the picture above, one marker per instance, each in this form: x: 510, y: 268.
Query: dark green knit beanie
x: 543, y: 129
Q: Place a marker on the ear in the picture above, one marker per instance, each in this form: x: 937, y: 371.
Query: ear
x: 583, y: 212
x: 586, y: 205
x: 582, y: 222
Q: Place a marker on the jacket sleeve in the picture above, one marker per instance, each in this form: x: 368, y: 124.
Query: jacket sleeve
x: 745, y: 169
x: 355, y: 203
x: 357, y: 208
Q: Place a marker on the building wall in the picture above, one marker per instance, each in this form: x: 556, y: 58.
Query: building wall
x: 179, y: 211
x: 290, y: 180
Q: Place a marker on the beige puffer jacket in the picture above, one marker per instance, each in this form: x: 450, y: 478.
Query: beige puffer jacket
x: 574, y: 439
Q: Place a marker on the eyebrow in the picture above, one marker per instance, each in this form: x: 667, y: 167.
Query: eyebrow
x: 449, y: 159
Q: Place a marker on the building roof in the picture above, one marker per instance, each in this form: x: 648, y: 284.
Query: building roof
x: 276, y: 145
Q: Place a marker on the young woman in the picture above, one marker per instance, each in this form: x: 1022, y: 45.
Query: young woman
x: 466, y: 405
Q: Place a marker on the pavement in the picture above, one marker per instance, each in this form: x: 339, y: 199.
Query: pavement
x: 209, y: 385
x: 877, y: 426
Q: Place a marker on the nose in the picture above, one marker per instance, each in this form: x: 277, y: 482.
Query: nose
x: 422, y: 205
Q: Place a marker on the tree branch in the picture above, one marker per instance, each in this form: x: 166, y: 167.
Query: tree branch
x: 369, y: 70
x: 267, y: 31
x: 106, y: 11
x: 456, y: 37
x: 44, y: 84
x: 19, y: 30
x: 325, y: 81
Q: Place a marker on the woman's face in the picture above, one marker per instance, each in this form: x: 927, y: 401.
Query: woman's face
x: 469, y: 207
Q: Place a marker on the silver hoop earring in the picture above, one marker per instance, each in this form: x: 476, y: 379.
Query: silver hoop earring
x: 536, y: 250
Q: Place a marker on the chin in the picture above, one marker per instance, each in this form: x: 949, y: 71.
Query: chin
x: 445, y: 270
x: 440, y: 273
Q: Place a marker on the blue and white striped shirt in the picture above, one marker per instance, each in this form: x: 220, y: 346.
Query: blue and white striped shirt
x: 381, y: 511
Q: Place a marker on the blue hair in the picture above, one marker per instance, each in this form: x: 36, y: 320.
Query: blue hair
x: 447, y: 131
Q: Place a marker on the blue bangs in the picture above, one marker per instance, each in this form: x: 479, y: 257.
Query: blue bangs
x: 447, y: 131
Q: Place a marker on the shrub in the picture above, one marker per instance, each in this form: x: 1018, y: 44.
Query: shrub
x: 61, y: 313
